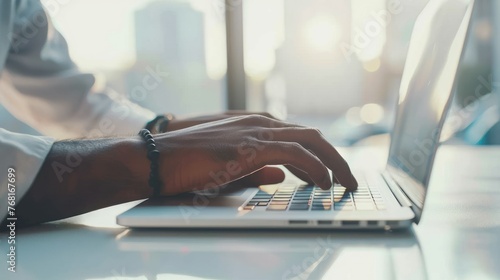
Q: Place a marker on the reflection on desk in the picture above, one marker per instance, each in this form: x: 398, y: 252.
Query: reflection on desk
x: 79, y: 252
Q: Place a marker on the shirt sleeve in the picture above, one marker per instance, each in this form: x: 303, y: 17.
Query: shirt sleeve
x: 24, y: 154
x: 42, y: 87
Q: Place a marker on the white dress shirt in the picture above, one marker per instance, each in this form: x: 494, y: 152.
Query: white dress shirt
x: 42, y: 87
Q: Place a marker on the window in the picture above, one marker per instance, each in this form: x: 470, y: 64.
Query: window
x: 125, y: 40
x: 331, y: 64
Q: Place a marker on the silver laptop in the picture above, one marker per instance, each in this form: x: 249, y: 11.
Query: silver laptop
x: 393, y: 198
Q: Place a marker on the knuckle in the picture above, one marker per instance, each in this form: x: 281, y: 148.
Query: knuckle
x: 267, y: 115
x: 261, y: 120
x: 294, y: 146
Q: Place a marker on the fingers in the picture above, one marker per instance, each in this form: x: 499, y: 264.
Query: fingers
x: 246, y: 113
x: 290, y: 153
x: 308, y: 138
x: 313, y: 140
x: 334, y: 178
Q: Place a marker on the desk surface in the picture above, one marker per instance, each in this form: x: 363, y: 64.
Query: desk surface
x: 458, y: 238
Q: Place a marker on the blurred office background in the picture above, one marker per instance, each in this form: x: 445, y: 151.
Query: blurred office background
x: 332, y: 64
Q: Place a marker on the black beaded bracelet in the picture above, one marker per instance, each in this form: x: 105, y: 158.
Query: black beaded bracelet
x: 153, y: 156
x: 159, y: 124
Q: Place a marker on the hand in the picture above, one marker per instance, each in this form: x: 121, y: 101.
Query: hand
x: 79, y: 176
x: 268, y: 175
x: 177, y: 124
x: 216, y: 153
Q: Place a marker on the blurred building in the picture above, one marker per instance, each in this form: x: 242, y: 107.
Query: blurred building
x: 170, y: 38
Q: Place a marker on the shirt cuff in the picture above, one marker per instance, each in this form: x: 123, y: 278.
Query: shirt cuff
x: 24, y: 154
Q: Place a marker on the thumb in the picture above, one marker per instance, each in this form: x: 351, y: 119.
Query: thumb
x: 264, y: 176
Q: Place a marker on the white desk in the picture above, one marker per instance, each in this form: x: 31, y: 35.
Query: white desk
x: 458, y: 238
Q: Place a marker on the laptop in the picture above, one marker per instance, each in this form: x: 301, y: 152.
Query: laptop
x: 389, y: 199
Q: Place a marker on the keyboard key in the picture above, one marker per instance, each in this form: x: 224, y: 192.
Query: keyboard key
x: 362, y: 195
x: 343, y: 208
x: 259, y: 200
x: 322, y: 203
x: 294, y: 207
x: 322, y: 199
x: 262, y: 204
x: 248, y: 207
x: 344, y: 203
x: 281, y: 199
x: 321, y: 207
x: 300, y: 201
x: 277, y: 208
x: 301, y: 198
x: 279, y: 202
x: 359, y: 200
x: 322, y: 195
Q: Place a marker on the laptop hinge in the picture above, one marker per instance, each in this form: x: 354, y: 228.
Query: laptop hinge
x: 396, y: 190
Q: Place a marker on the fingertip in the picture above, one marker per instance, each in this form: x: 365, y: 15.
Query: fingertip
x: 353, y: 186
x: 326, y: 184
x: 354, y: 182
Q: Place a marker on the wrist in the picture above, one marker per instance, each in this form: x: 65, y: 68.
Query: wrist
x: 133, y: 154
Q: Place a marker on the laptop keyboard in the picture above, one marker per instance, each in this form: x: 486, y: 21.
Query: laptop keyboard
x: 313, y: 198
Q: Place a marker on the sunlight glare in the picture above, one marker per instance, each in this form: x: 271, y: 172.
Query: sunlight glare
x: 322, y: 33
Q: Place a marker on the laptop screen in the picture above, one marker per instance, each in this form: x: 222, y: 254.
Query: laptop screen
x: 428, y: 79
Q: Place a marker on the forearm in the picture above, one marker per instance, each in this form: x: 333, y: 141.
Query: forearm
x: 84, y: 175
